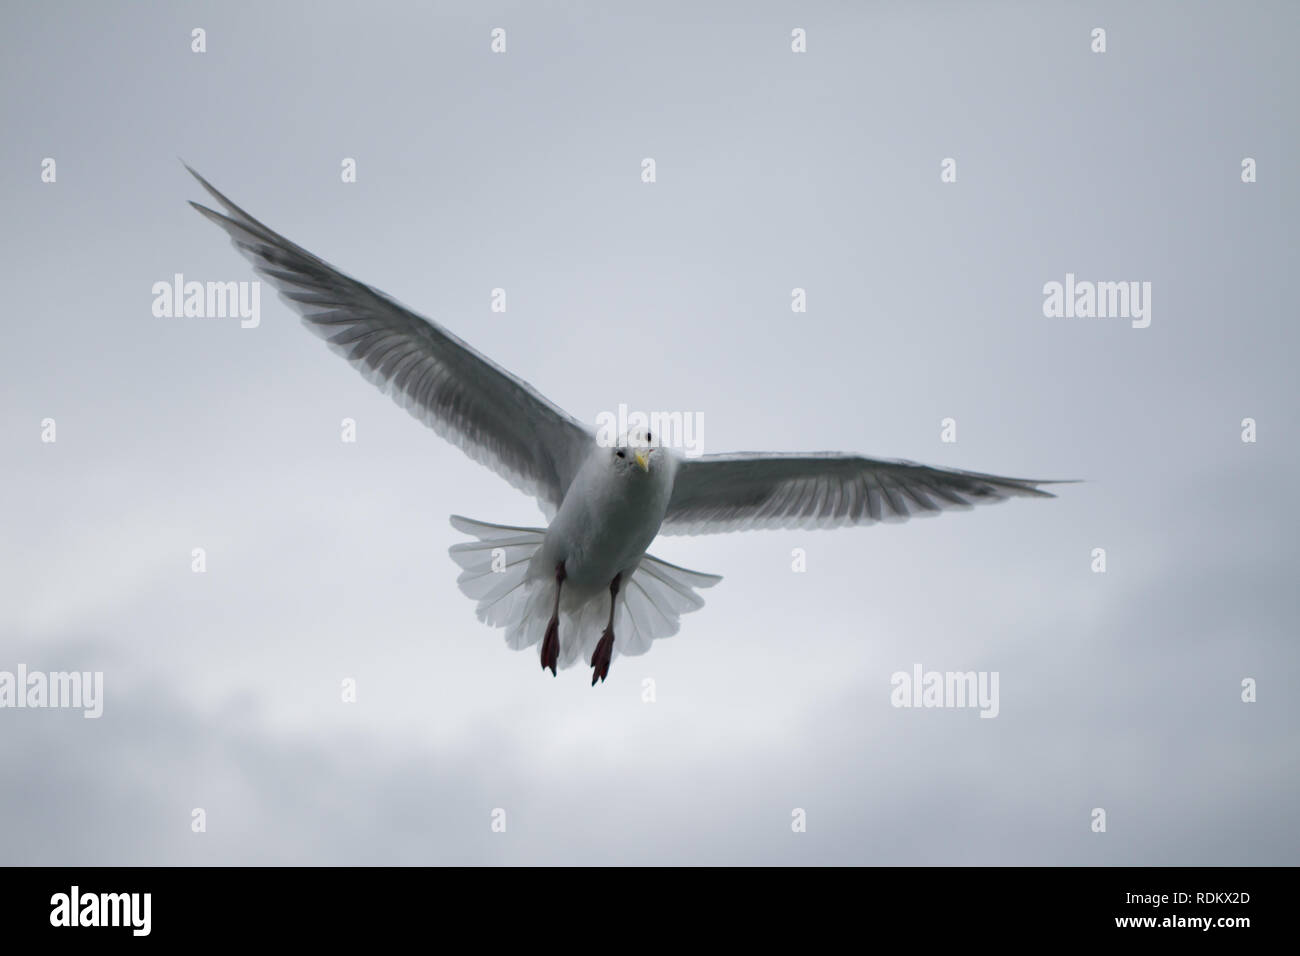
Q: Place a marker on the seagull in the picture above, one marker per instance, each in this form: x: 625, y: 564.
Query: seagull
x: 584, y: 587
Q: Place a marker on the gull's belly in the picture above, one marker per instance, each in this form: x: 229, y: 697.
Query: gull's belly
x: 617, y: 545
x: 599, y: 536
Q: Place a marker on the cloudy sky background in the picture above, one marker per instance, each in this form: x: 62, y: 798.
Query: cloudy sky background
x: 328, y: 560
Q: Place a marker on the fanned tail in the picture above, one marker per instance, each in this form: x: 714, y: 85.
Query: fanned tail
x: 652, y: 603
x: 495, y: 570
x: 495, y: 574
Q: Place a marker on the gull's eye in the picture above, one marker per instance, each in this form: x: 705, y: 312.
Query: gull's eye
x: 622, y: 454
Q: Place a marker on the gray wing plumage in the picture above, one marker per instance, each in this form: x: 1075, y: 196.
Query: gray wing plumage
x: 747, y: 490
x: 494, y: 417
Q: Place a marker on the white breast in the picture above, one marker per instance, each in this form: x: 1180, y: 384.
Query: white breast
x: 607, y: 520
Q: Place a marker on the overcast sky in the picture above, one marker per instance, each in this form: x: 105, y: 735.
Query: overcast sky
x: 775, y: 170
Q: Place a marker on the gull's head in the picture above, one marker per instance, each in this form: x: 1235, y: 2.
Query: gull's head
x: 636, y: 454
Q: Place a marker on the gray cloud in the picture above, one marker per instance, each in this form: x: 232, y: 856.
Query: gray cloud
x: 328, y: 561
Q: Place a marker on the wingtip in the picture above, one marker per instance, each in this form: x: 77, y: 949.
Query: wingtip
x: 230, y: 208
x: 208, y: 213
x: 190, y: 169
x: 1055, y: 481
x: 1033, y: 486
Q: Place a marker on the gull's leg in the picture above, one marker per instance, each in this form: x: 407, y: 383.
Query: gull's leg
x: 605, y: 649
x: 551, y: 642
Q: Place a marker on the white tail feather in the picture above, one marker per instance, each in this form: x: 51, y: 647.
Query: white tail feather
x: 494, y: 572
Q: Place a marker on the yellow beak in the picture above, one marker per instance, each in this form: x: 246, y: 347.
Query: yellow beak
x: 642, y: 457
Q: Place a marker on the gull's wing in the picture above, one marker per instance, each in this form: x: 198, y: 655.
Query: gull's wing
x: 495, y: 418
x: 748, y: 490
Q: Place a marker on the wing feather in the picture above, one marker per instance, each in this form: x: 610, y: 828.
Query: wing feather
x: 495, y: 418
x: 744, y: 491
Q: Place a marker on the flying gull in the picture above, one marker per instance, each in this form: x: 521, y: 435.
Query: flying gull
x: 583, y: 587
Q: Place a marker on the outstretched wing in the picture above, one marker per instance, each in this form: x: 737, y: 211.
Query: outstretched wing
x: 497, y: 419
x: 748, y: 490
